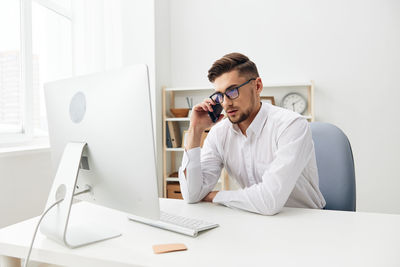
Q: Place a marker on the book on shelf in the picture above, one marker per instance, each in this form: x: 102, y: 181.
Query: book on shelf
x: 168, y: 136
x: 174, y: 133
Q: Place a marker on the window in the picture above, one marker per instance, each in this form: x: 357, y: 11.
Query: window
x: 35, y: 48
x: 11, y: 93
x: 52, y: 56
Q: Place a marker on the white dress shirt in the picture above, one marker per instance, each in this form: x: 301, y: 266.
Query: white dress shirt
x: 274, y: 165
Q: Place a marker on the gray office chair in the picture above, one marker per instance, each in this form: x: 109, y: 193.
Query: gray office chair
x: 335, y: 166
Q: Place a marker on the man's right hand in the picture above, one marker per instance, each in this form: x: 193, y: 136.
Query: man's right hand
x: 199, y: 121
x: 200, y: 118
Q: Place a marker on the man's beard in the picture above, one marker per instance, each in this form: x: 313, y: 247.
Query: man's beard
x: 242, y: 117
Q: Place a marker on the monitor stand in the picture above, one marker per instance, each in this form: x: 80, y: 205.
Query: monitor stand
x: 55, y: 224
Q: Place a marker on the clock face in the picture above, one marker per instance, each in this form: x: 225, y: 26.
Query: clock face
x: 294, y: 102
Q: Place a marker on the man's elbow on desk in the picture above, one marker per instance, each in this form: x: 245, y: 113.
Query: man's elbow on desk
x: 188, y: 197
x: 239, y: 200
x: 270, y: 212
x: 208, y: 198
x: 267, y: 211
x: 190, y: 200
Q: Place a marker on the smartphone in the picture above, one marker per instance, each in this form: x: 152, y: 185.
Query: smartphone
x: 217, y: 109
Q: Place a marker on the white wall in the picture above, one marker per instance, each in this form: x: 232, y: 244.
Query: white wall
x: 145, y: 40
x: 25, y: 181
x: 350, y: 48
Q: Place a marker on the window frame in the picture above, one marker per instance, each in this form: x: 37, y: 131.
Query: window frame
x: 26, y: 65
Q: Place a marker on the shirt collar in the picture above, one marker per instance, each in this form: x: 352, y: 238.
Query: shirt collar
x: 257, y: 124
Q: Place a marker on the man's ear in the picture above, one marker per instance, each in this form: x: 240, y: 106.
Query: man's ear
x: 259, y: 86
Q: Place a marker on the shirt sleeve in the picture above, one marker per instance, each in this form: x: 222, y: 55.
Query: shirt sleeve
x: 295, y: 148
x: 203, y: 169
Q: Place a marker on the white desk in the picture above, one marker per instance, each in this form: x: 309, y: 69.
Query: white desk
x: 295, y: 237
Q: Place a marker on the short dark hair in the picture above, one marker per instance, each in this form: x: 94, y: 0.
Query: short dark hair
x: 233, y: 61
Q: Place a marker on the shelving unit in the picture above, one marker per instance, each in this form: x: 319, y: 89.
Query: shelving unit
x: 177, y: 119
x: 175, y: 98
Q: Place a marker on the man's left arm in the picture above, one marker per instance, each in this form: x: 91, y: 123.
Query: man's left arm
x: 295, y: 148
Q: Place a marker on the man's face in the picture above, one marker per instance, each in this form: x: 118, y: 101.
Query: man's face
x: 240, y: 108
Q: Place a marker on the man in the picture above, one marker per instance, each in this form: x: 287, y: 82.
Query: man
x: 267, y: 149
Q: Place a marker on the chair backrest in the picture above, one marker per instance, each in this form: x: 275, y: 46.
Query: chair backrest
x: 335, y: 166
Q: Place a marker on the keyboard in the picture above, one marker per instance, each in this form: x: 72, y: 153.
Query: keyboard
x: 175, y: 223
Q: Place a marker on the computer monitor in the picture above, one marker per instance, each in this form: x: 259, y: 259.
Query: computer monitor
x: 101, y: 136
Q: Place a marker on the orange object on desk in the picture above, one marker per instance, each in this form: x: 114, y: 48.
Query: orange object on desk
x: 165, y: 248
